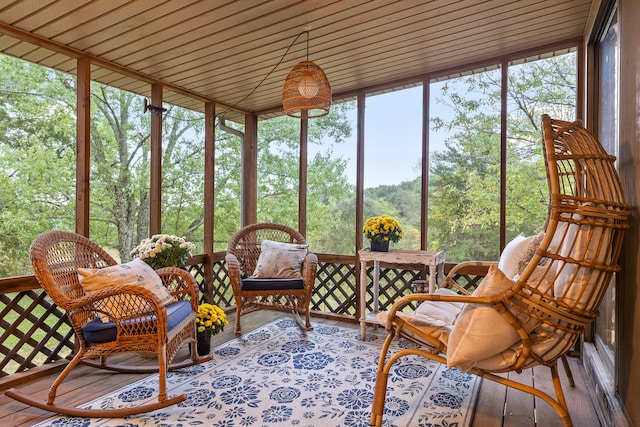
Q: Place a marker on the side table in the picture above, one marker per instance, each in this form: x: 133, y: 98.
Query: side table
x: 433, y: 260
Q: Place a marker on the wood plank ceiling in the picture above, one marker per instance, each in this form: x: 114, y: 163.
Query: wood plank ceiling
x: 223, y: 50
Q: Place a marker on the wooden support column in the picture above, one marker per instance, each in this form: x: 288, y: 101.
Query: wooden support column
x: 155, y: 186
x: 249, y: 183
x: 359, y: 170
x: 83, y: 140
x: 360, y: 105
x: 581, y: 82
x: 503, y: 154
x: 209, y: 196
x: 424, y: 214
x: 302, y: 177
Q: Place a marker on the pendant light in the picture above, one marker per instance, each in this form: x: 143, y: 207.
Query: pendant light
x: 306, y: 92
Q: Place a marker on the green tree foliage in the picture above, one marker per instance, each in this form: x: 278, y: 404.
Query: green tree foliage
x: 464, y: 177
x: 330, y: 197
x: 401, y: 201
x: 119, y: 170
x: 37, y: 164
x: 328, y: 187
x: 37, y: 158
x: 227, y: 186
x: 183, y: 175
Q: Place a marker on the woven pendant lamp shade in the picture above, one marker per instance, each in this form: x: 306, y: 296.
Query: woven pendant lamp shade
x: 306, y: 90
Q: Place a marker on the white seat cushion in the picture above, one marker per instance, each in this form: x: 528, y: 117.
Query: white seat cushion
x: 435, y: 318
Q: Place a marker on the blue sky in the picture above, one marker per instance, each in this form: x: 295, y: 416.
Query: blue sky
x: 393, y: 142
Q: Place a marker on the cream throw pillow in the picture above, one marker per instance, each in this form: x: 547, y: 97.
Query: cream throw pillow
x: 517, y: 254
x: 280, y: 260
x: 480, y: 331
x: 135, y: 272
x: 512, y: 254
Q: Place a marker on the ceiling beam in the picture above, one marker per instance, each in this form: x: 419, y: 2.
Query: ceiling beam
x: 77, y: 54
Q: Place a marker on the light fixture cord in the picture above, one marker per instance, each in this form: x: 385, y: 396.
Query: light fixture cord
x: 270, y: 72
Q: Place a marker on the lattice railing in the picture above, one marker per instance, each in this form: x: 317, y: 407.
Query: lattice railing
x: 394, y: 283
x: 34, y: 332
x: 335, y: 288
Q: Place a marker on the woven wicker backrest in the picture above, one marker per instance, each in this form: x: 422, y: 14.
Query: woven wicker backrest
x: 56, y: 257
x: 559, y: 292
x: 245, y: 244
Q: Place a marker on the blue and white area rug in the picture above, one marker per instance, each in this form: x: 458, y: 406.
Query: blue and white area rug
x: 279, y: 375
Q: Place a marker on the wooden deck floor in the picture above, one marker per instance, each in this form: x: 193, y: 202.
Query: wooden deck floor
x: 497, y: 405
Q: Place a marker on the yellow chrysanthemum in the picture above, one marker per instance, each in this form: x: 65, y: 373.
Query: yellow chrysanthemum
x: 210, y: 319
x: 383, y: 227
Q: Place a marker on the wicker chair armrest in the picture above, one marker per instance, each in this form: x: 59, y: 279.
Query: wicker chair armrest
x: 96, y: 302
x: 471, y: 265
x: 181, y: 284
x: 309, y: 267
x: 404, y: 301
x: 234, y: 271
x: 477, y: 268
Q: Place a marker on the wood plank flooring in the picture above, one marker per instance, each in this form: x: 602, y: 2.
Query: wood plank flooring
x: 497, y: 405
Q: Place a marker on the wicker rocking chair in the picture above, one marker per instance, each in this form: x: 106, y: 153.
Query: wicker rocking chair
x: 537, y: 317
x: 267, y: 280
x: 116, y: 319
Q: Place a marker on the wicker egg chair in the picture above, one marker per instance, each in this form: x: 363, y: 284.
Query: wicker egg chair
x: 537, y: 317
x: 291, y: 293
x: 135, y: 319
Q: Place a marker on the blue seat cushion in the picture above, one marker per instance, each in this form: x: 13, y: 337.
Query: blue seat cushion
x: 96, y: 332
x: 251, y: 284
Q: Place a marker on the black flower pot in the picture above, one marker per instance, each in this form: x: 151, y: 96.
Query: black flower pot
x: 204, y: 345
x: 379, y: 246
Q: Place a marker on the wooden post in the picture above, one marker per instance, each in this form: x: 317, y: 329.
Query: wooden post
x: 155, y: 186
x: 302, y: 175
x: 249, y: 184
x: 83, y: 140
x: 209, y: 196
x: 360, y: 170
x: 359, y: 192
x: 424, y: 214
x: 503, y: 154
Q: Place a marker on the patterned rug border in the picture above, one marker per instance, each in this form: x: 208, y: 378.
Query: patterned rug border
x: 420, y: 392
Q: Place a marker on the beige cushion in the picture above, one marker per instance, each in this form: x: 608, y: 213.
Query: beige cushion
x: 542, y: 278
x: 135, y: 272
x: 550, y: 346
x: 434, y: 318
x: 280, y: 260
x: 480, y: 331
x: 559, y: 236
x: 574, y: 282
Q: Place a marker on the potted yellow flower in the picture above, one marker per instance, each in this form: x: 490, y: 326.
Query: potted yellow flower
x: 210, y: 320
x: 381, y: 230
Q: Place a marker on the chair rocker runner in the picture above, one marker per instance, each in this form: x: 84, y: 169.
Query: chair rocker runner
x: 129, y: 309
x: 270, y: 268
x: 537, y: 315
